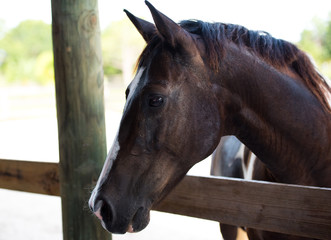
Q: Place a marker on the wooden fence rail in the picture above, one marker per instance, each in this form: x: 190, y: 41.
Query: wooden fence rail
x: 34, y: 177
x: 298, y: 210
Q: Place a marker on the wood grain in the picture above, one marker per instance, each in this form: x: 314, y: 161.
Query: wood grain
x: 35, y: 177
x: 297, y: 210
x: 80, y: 112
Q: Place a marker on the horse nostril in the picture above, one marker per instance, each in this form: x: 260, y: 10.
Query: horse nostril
x: 107, y: 213
x: 103, y: 210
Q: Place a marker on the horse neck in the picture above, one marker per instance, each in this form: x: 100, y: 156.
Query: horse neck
x: 277, y: 117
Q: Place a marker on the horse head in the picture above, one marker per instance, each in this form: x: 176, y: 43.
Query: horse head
x: 171, y: 121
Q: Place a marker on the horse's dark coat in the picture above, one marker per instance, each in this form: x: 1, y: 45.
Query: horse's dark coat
x: 195, y: 83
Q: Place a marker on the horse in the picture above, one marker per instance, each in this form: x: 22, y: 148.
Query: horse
x: 196, y: 82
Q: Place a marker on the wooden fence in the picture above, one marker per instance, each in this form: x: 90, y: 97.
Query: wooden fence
x: 298, y: 210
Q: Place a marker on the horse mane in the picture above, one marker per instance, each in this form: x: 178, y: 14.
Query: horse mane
x: 277, y: 52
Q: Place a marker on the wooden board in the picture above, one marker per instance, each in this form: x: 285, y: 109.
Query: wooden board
x: 35, y: 177
x: 291, y: 209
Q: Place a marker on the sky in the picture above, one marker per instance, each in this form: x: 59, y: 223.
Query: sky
x: 282, y: 18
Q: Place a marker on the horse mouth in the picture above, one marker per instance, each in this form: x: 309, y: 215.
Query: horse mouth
x: 139, y: 221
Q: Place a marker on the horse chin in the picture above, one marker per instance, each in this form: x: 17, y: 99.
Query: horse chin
x: 139, y: 221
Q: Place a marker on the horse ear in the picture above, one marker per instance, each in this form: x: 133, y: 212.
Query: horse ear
x: 145, y: 28
x: 169, y: 30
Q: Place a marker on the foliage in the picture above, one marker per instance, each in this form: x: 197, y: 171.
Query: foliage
x: 44, y: 67
x: 121, y: 44
x: 316, y: 41
x: 26, y: 51
x: 26, y: 48
x: 327, y: 38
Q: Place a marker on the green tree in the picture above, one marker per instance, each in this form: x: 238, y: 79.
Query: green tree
x: 24, y: 45
x: 29, y: 39
x: 316, y: 41
x: 121, y: 44
x: 327, y: 38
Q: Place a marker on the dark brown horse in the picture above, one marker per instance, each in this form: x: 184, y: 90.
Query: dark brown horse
x: 195, y: 83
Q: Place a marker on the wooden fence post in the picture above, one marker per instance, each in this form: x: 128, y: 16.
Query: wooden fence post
x: 80, y: 112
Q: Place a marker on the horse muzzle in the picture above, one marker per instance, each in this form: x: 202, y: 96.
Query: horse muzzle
x: 118, y: 219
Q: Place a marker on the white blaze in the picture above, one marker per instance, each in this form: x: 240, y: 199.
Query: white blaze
x: 112, y: 155
x: 109, y: 161
x: 133, y: 86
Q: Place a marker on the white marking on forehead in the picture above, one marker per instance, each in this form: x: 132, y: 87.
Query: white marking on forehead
x: 112, y: 155
x: 134, y: 84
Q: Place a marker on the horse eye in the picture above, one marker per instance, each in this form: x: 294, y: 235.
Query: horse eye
x: 127, y: 91
x: 155, y: 101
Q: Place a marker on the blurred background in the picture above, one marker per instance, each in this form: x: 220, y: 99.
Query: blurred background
x: 28, y: 126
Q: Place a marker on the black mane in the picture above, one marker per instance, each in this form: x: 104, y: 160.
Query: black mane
x: 277, y: 52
